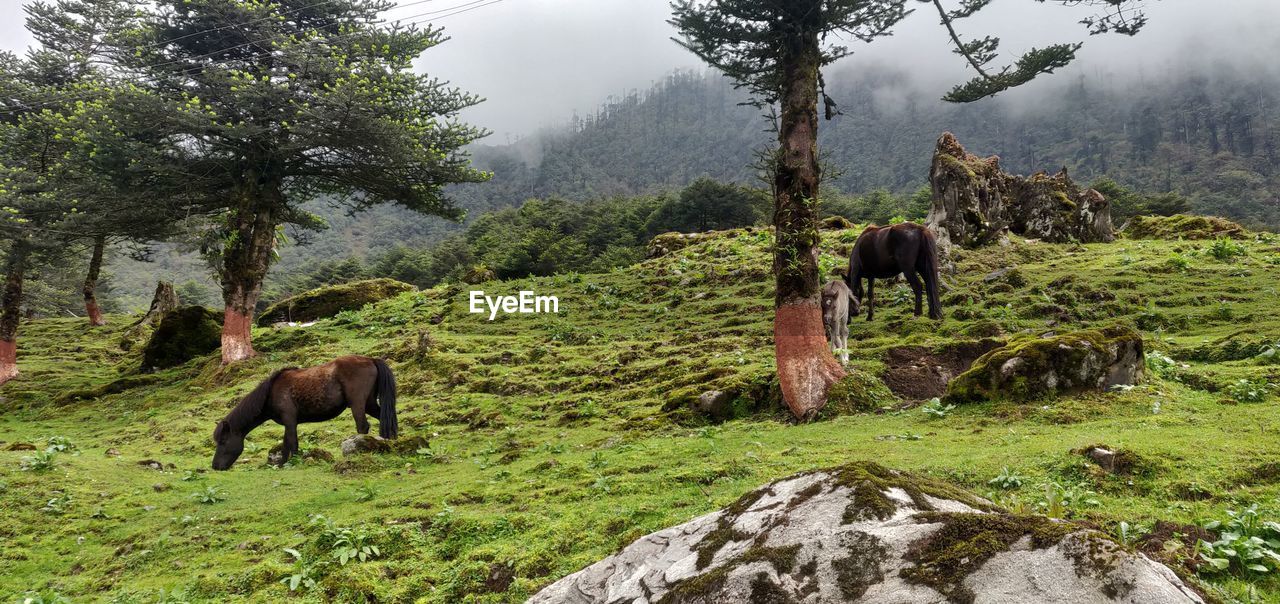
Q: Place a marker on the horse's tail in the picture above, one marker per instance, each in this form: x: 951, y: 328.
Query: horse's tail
x: 388, y: 425
x: 929, y: 265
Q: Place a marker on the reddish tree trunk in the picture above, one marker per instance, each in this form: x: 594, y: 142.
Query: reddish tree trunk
x: 11, y: 312
x: 91, y: 282
x: 245, y: 261
x: 806, y: 368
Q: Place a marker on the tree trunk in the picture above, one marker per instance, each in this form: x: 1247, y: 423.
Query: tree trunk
x: 806, y: 367
x: 245, y: 261
x: 91, y: 282
x: 11, y: 312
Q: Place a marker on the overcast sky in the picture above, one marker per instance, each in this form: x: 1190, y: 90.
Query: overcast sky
x: 537, y: 61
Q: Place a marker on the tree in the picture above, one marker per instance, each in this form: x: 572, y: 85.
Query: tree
x: 32, y: 210
x: 110, y: 204
x: 268, y: 105
x: 707, y: 205
x: 776, y: 50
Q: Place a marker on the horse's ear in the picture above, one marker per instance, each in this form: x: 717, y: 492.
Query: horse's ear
x: 220, y: 432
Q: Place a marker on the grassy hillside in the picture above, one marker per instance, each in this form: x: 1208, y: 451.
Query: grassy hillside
x: 550, y: 446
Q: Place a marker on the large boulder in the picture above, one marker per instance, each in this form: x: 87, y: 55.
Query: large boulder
x: 324, y: 302
x: 181, y: 335
x: 861, y: 533
x: 1031, y: 368
x: 975, y: 202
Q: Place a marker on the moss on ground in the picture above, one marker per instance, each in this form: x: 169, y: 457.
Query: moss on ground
x: 1182, y: 226
x: 324, y: 302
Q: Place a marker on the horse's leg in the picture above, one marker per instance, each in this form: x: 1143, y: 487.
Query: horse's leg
x: 871, y: 299
x: 914, y: 281
x: 290, y: 440
x: 357, y: 411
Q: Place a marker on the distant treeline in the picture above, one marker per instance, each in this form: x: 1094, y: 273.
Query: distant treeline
x: 1213, y: 139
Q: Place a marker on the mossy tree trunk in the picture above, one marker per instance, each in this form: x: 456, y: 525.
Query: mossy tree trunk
x: 806, y: 367
x: 11, y: 311
x: 91, y: 308
x: 246, y: 257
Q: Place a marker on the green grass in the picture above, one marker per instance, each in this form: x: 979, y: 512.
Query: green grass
x: 549, y: 446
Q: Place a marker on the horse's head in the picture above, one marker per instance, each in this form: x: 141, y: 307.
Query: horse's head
x: 230, y: 444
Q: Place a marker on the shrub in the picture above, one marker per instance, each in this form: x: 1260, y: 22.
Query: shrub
x: 1225, y: 249
x: 1245, y: 545
x: 1250, y: 391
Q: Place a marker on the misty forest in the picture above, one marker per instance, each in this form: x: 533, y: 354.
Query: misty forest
x: 793, y: 322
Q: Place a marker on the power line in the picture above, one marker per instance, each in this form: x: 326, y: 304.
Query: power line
x: 261, y: 20
x: 449, y: 12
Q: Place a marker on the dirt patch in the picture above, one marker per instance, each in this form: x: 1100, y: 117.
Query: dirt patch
x: 1173, y: 544
x: 917, y: 373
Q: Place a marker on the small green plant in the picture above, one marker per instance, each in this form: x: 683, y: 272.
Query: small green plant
x: 59, y: 444
x: 1060, y: 501
x: 366, y: 492
x: 345, y: 543
x: 1178, y: 262
x: 40, y: 461
x: 209, y: 495
x: 935, y: 408
x: 1245, y: 545
x: 1250, y: 391
x: 57, y: 505
x: 301, y: 578
x: 190, y: 475
x: 1006, y: 479
x: 1161, y: 364
x: 1225, y: 249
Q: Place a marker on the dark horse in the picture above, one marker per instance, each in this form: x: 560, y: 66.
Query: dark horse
x: 886, y: 252
x: 314, y: 394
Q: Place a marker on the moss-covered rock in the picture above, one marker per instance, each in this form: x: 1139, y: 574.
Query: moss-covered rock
x: 907, y: 539
x: 183, y: 334
x: 1031, y: 368
x: 1182, y: 226
x: 328, y: 301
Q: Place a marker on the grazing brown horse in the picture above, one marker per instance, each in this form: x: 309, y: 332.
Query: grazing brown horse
x: 313, y: 394
x: 886, y: 252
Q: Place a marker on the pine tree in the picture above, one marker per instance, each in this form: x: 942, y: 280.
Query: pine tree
x: 268, y: 105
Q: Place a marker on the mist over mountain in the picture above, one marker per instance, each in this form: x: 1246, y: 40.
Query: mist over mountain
x: 1210, y: 134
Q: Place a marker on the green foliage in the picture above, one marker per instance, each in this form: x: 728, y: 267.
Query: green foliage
x: 209, y: 495
x: 935, y: 408
x: 1225, y: 249
x: 1250, y: 391
x: 345, y: 544
x: 1007, y: 480
x: 40, y: 461
x: 1065, y: 501
x: 302, y: 577
x: 1246, y: 544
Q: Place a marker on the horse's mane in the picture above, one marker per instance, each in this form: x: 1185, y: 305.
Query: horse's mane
x: 250, y: 407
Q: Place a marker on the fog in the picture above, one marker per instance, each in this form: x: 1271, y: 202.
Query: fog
x: 538, y: 61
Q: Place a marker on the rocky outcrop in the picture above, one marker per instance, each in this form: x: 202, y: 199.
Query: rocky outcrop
x: 975, y: 202
x: 861, y: 533
x: 1035, y: 368
x: 324, y: 302
x: 181, y: 335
